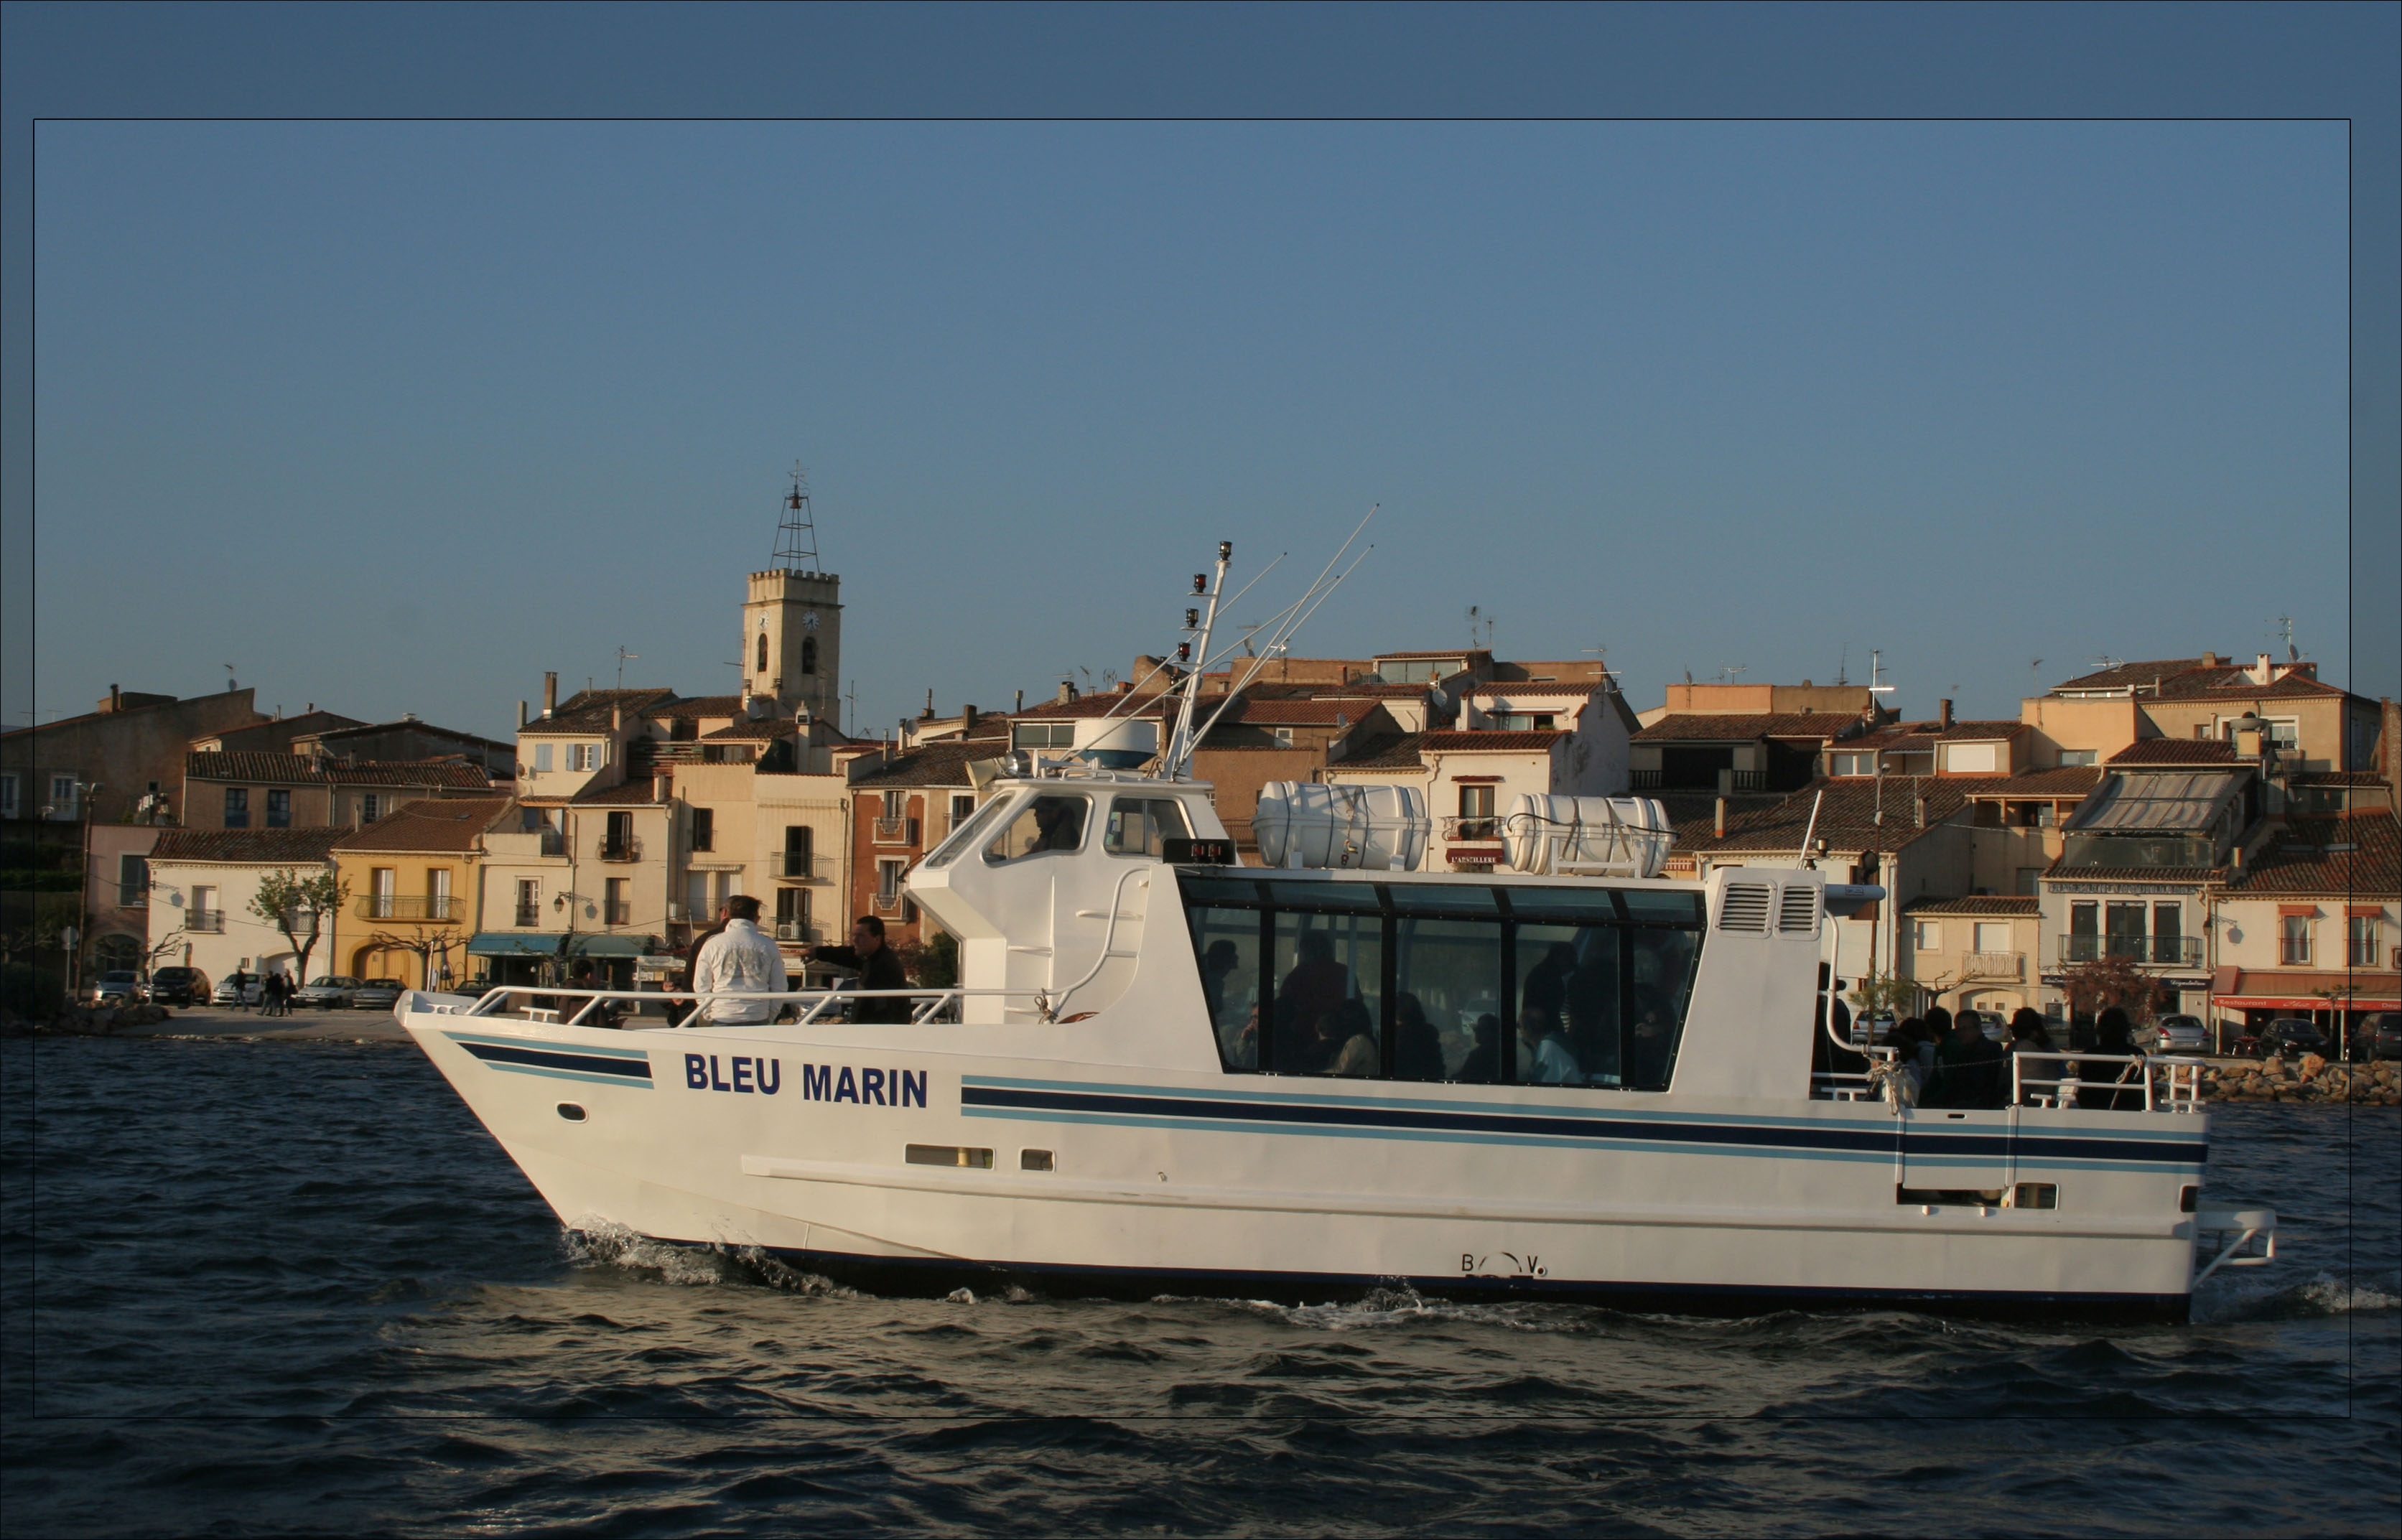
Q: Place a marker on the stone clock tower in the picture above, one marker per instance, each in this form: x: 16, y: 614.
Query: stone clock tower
x: 791, y: 641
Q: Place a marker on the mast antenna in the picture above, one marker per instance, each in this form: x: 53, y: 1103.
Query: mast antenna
x: 796, y: 535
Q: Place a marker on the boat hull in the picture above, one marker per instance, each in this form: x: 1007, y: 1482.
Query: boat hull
x: 814, y: 1146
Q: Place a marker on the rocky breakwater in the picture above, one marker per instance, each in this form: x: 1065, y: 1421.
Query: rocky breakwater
x: 2310, y: 1078
x: 85, y: 1021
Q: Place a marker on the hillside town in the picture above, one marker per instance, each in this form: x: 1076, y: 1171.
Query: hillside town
x: 2223, y: 828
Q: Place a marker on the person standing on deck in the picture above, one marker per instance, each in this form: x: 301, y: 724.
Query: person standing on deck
x: 739, y: 960
x: 878, y: 969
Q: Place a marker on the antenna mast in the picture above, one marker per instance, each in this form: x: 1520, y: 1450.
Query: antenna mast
x: 1179, y: 751
x: 796, y: 536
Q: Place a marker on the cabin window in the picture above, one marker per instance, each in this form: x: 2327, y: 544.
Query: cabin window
x: 1330, y: 975
x: 1042, y: 734
x: 1048, y: 823
x: 1446, y: 982
x: 1137, y: 825
x: 969, y: 834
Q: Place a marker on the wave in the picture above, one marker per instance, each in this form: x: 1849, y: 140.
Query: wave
x: 2324, y: 1294
x: 604, y: 1242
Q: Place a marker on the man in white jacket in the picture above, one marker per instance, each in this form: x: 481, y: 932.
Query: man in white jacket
x: 741, y: 960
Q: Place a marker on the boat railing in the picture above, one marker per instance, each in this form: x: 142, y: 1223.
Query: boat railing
x: 2166, y: 1083
x: 569, y: 1005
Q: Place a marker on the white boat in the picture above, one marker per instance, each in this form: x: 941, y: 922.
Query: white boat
x: 1162, y: 1073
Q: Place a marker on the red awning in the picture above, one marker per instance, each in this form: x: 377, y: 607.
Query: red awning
x: 2299, y: 991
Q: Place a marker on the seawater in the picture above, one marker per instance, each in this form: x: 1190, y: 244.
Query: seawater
x: 282, y: 1289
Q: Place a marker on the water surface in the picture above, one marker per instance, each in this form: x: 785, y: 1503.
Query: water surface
x: 285, y: 1288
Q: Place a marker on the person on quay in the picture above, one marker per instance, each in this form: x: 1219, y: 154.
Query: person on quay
x: 878, y: 968
x: 739, y: 960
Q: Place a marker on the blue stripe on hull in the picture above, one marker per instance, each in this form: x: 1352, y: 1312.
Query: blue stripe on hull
x: 606, y: 1067
x: 1357, y: 1117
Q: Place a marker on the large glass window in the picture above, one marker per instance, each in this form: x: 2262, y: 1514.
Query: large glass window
x: 1137, y: 825
x: 1048, y: 823
x: 279, y: 809
x: 1330, y: 974
x: 237, y: 808
x: 1427, y: 981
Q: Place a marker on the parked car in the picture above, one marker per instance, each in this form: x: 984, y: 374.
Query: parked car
x: 117, y: 986
x: 1872, y: 1029
x: 376, y: 995
x: 178, y: 986
x: 2378, y: 1036
x: 251, y: 990
x: 2173, y: 1035
x: 2287, y: 1035
x: 326, y: 992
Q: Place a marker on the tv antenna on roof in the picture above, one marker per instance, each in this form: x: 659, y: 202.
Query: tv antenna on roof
x: 2287, y: 624
x: 1877, y: 686
x: 1733, y: 671
x: 796, y: 536
x: 622, y: 657
x: 1841, y: 664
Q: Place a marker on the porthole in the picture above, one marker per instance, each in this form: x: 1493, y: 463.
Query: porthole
x: 572, y: 1112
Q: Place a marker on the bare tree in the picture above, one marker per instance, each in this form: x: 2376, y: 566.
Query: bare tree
x: 286, y: 900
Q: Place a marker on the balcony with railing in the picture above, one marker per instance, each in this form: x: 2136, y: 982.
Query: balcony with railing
x: 793, y: 867
x: 621, y: 850
x: 887, y: 905
x: 896, y: 830
x: 2154, y: 950
x: 396, y: 906
x: 209, y: 922
x: 1482, y: 826
x: 1994, y: 965
x: 528, y: 916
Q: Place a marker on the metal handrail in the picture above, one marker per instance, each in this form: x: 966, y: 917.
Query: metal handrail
x: 2183, y: 1081
x: 820, y: 1000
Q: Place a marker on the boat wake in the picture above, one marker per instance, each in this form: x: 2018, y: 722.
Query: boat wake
x: 2322, y: 1295
x: 604, y: 1243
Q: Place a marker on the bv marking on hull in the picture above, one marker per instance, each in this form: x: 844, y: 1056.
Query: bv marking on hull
x: 592, y: 1066
x: 1355, y: 1116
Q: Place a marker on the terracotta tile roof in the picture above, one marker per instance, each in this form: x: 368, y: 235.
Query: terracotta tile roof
x: 1980, y: 904
x: 2174, y: 752
x: 262, y: 846
x: 2342, y: 778
x: 1982, y: 732
x: 449, y: 772
x: 942, y: 763
x: 1472, y: 656
x: 633, y: 793
x: 1538, y: 687
x: 1320, y: 713
x: 698, y: 705
x: 405, y: 725
x: 762, y: 731
x: 1388, y: 752
x: 2065, y: 780
x: 1846, y: 820
x: 587, y: 711
x: 1101, y: 706
x: 2126, y: 676
x: 451, y: 825
x: 2308, y: 856
x: 1515, y: 740
x: 1346, y: 692
x: 1738, y: 727
x: 2173, y: 678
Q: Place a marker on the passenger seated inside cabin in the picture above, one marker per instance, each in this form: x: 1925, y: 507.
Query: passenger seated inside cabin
x: 1482, y: 1064
x: 1317, y: 985
x: 1344, y: 1043
x: 1592, y: 1007
x: 1418, y: 1047
x: 1543, y: 1055
x: 1218, y: 965
x: 1240, y: 1046
x: 1049, y: 822
x: 1547, y: 982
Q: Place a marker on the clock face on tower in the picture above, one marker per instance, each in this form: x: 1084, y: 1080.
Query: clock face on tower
x: 808, y: 620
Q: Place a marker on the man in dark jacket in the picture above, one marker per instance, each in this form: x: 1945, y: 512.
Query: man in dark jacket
x: 878, y: 969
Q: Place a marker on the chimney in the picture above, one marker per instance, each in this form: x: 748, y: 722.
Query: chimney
x: 2210, y: 660
x: 1918, y: 809
x: 115, y: 699
x: 1726, y: 783
x: 2260, y: 674
x: 550, y: 693
x: 662, y: 786
x: 928, y: 714
x: 1126, y: 687
x: 617, y: 717
x: 1021, y: 701
x: 1067, y: 691
x: 967, y: 719
x: 523, y: 718
x: 1719, y: 824
x: 1943, y: 714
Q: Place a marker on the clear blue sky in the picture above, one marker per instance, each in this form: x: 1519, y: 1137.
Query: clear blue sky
x: 396, y: 416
